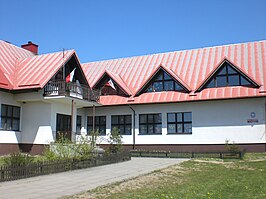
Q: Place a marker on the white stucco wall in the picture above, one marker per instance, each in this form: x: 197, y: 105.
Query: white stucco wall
x: 9, y: 136
x: 36, y: 123
x: 213, y: 122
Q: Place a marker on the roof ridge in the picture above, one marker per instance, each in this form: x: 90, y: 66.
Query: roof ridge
x: 182, y: 50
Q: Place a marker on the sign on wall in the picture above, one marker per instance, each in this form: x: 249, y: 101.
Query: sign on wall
x: 253, y: 118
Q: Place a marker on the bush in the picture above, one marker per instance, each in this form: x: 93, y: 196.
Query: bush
x: 231, y: 147
x: 49, y: 154
x: 115, y: 141
x: 17, y: 159
x: 64, y: 149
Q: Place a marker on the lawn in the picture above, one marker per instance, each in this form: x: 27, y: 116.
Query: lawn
x: 194, y: 179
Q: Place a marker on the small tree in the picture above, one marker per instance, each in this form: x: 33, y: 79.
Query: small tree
x: 115, y: 141
x: 93, y: 138
x: 233, y: 148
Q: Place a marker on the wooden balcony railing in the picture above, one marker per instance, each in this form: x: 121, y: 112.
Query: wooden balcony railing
x: 71, y: 89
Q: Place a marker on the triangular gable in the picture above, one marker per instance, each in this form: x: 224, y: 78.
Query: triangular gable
x: 4, y: 83
x: 218, y: 69
x: 79, y: 73
x: 175, y: 78
x: 117, y: 80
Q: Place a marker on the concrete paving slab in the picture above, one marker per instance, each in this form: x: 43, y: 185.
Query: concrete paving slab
x: 73, y: 182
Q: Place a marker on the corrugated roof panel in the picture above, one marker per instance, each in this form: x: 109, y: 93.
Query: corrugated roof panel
x: 10, y: 55
x: 191, y: 66
x: 21, y: 67
x: 38, y: 70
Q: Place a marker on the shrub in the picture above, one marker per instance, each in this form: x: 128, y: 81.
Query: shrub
x: 17, y: 159
x: 49, y: 154
x: 63, y: 148
x: 84, y: 149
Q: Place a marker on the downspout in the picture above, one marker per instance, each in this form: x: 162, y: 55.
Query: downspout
x: 134, y: 121
x: 93, y: 119
x: 72, y: 119
x: 265, y: 126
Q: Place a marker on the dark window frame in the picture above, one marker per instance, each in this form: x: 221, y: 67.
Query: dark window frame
x: 5, y: 117
x: 230, y: 71
x: 163, y: 81
x: 108, y: 90
x: 78, y: 123
x: 98, y: 124
x: 176, y: 123
x: 121, y: 125
x: 147, y: 124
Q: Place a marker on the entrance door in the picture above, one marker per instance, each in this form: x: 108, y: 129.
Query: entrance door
x: 63, y: 126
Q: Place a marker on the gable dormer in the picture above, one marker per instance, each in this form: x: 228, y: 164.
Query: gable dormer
x: 227, y: 74
x: 71, y: 67
x: 112, y: 84
x: 164, y: 79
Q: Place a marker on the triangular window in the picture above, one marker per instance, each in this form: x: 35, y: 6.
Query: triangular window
x: 108, y: 86
x: 227, y: 75
x: 163, y: 81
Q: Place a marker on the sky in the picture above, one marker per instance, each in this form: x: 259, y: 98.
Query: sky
x: 109, y: 29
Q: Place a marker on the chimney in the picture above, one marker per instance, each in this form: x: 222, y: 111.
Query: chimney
x: 31, y: 47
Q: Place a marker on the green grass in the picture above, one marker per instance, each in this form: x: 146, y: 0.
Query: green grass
x: 195, y: 179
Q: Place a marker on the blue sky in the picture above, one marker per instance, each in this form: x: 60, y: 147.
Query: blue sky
x: 107, y: 29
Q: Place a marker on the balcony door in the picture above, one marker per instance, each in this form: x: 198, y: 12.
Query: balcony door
x: 63, y: 126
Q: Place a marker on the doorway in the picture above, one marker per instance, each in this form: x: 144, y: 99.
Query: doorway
x: 63, y: 126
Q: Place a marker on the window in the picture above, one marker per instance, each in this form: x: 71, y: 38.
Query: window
x: 179, y: 123
x: 163, y: 82
x: 150, y: 123
x: 78, y: 124
x: 100, y: 124
x: 227, y: 76
x: 10, y: 117
x: 107, y: 89
x: 123, y: 123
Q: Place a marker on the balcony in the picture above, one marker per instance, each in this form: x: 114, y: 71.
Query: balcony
x: 70, y: 89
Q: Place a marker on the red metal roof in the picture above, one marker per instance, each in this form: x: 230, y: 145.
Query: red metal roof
x: 189, y: 67
x: 38, y: 70
x: 9, y: 57
x: 22, y: 69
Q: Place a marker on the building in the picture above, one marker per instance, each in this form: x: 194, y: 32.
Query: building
x: 191, y: 100
x: 37, y: 103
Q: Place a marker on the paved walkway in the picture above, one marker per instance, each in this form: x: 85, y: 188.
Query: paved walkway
x: 73, y: 182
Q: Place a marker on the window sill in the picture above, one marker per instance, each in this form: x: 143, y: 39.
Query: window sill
x: 179, y: 134
x: 10, y: 130
x: 150, y: 134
